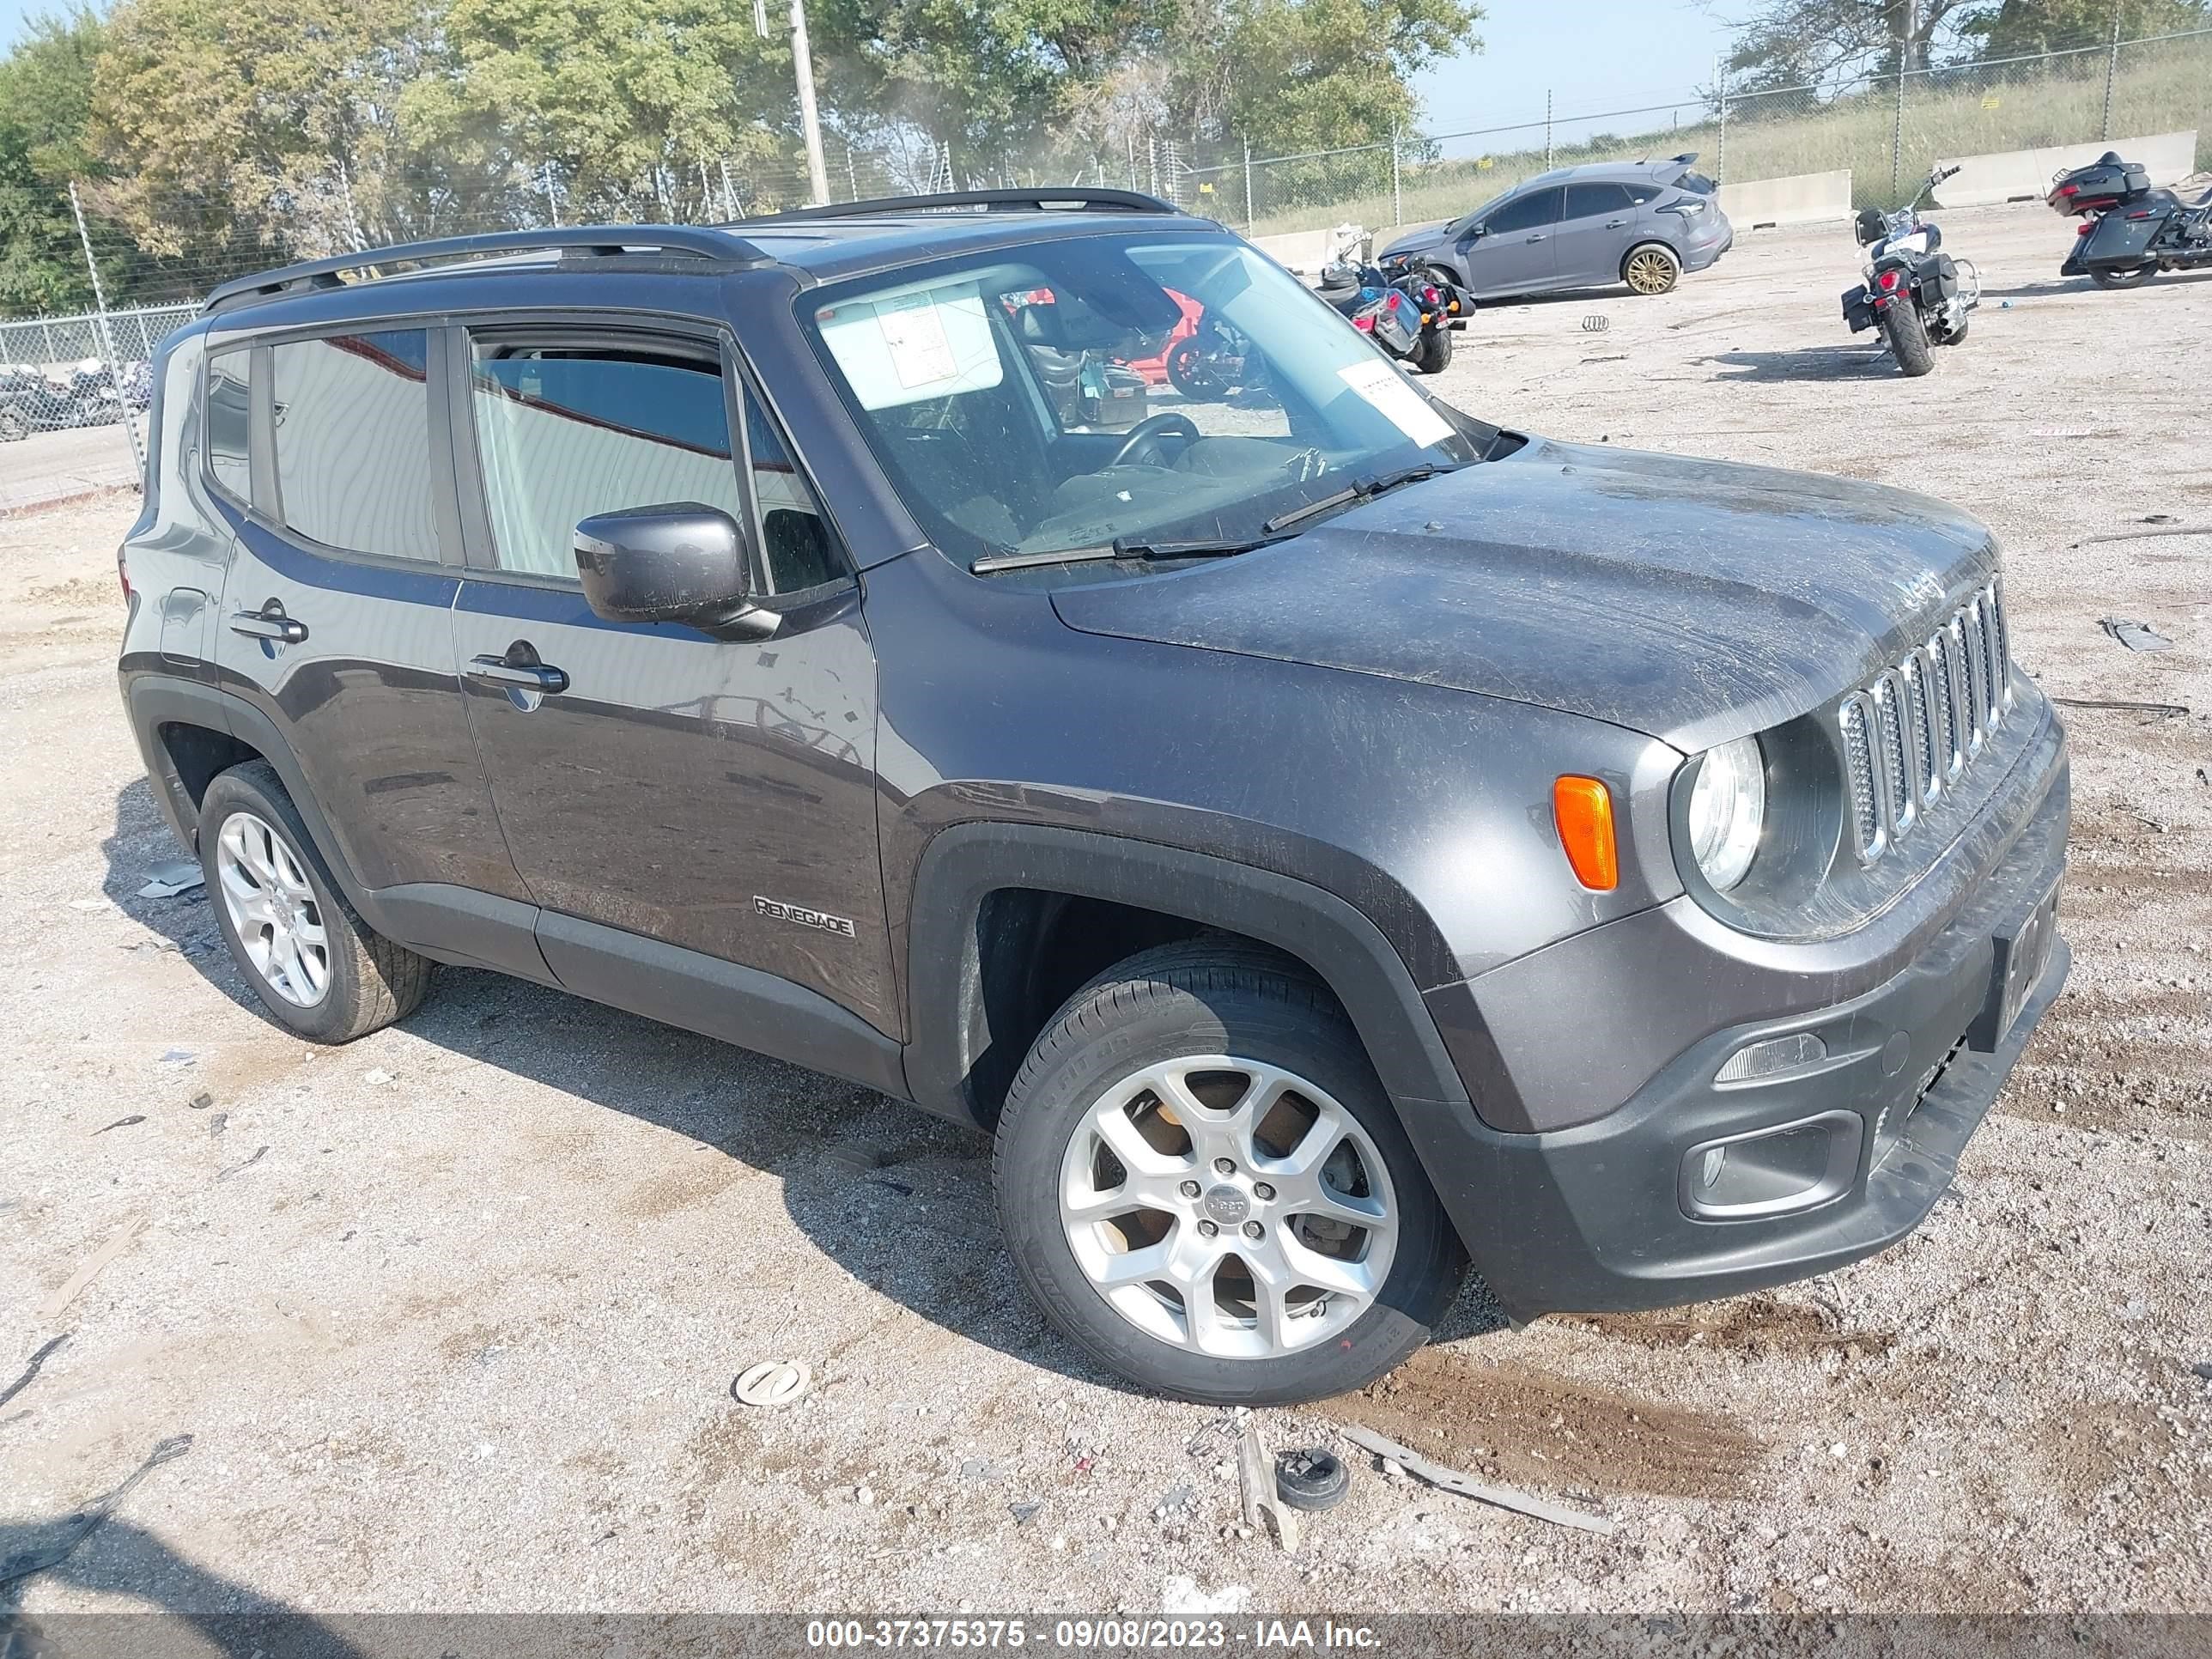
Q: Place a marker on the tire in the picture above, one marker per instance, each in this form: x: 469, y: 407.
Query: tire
x: 1216, y: 1011
x: 1188, y: 374
x: 275, y: 899
x: 1432, y: 354
x: 1908, y: 339
x: 2133, y: 276
x: 1651, y: 268
x: 13, y: 428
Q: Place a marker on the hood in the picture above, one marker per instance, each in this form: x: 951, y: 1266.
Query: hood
x: 1413, y: 241
x: 1693, y: 601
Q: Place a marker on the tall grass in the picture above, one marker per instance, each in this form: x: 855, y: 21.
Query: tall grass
x: 2160, y: 87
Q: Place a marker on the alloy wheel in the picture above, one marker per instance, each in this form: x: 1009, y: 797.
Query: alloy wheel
x: 1229, y: 1207
x: 1650, y: 272
x: 273, y: 909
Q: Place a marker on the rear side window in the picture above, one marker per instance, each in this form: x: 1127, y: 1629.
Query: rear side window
x: 1589, y: 201
x: 1697, y: 183
x: 352, y: 443
x: 1642, y: 191
x: 563, y: 433
x: 229, y: 416
x: 1528, y: 212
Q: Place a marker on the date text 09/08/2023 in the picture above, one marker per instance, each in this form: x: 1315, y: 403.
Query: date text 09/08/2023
x: 1091, y: 1634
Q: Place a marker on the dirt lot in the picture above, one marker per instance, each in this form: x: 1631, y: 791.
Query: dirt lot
x: 452, y: 1315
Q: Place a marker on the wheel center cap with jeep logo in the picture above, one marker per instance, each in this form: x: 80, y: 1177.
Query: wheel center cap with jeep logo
x: 1228, y: 1205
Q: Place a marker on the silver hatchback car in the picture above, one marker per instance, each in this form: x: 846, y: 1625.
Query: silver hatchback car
x: 1639, y: 223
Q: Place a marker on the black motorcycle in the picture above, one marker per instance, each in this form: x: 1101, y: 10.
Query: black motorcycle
x: 1413, y: 317
x: 1916, y: 293
x: 2130, y: 230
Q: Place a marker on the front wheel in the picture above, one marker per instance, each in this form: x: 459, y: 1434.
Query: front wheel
x: 1205, y: 1187
x: 1908, y: 339
x: 1433, y: 352
x: 2128, y: 276
x: 1190, y: 374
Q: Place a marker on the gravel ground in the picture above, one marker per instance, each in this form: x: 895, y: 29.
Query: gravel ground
x: 452, y: 1314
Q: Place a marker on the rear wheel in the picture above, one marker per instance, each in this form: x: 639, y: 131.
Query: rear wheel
x: 2131, y: 277
x: 1908, y: 339
x: 1205, y: 1187
x: 318, y: 969
x: 1651, y: 268
x: 1188, y: 372
x: 1433, y: 352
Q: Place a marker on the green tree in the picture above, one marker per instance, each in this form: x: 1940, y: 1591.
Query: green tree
x: 2016, y: 27
x: 1793, y: 43
x: 626, y: 101
x: 45, y: 99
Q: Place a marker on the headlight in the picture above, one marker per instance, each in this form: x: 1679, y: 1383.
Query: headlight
x: 1728, y: 810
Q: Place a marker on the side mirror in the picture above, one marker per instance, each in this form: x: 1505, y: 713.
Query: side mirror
x: 681, y: 562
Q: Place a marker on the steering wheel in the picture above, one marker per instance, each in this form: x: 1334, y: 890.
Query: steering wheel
x: 1143, y: 443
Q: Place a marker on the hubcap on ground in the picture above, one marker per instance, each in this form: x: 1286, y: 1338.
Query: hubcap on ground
x: 1650, y: 273
x: 273, y: 910
x: 1228, y: 1207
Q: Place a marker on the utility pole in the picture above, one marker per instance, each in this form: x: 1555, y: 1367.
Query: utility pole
x: 552, y: 200
x: 1720, y: 87
x: 1547, y: 129
x: 1397, y: 195
x: 107, y: 338
x: 1248, y: 183
x: 2112, y: 70
x: 802, y: 67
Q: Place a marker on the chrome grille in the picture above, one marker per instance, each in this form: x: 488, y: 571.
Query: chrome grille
x: 1909, y: 734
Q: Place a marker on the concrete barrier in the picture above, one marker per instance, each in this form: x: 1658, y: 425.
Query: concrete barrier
x: 2017, y: 175
x: 1803, y: 198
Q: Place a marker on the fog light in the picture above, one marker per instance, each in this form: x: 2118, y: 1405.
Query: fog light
x: 1772, y: 1057
x: 1773, y: 1171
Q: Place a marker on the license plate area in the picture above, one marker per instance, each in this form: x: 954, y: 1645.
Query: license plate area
x: 2021, y: 954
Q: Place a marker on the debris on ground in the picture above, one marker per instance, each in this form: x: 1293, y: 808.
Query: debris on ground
x: 378, y: 1078
x: 89, y: 1519
x: 169, y: 879
x: 201, y: 1101
x: 178, y: 1057
x: 217, y: 1123
x: 1450, y: 1479
x: 2139, y: 535
x: 121, y: 1123
x: 93, y: 1266
x: 31, y: 1370
x: 2136, y: 635
x: 1260, y: 1505
x: 1312, y: 1478
x: 1025, y: 1511
x: 226, y: 1173
x: 2171, y: 711
x: 772, y: 1383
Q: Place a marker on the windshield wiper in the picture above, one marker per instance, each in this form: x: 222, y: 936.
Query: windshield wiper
x: 1359, y: 490
x: 1122, y: 547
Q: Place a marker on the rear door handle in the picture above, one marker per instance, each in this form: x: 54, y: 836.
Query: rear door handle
x: 1614, y: 224
x: 532, y: 675
x: 269, y: 623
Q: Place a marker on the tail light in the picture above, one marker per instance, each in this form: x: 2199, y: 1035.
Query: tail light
x: 1430, y: 296
x: 2069, y: 189
x: 2085, y: 227
x: 1366, y: 322
x: 2139, y: 213
x: 123, y: 571
x: 1888, y: 279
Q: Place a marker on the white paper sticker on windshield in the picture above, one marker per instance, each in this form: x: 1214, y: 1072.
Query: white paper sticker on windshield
x: 1403, y: 407
x: 919, y: 342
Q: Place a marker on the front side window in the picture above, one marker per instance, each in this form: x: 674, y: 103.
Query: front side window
x: 1259, y: 397
x: 564, y: 432
x: 353, y: 442
x: 1530, y: 212
x: 229, y: 419
x: 795, y: 544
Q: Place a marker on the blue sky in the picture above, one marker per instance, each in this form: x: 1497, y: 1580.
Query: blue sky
x: 1595, y: 54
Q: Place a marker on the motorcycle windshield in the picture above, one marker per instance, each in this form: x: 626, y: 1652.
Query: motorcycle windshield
x: 1271, y: 400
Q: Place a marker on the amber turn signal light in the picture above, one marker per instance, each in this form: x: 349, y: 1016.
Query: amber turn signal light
x: 1582, y: 808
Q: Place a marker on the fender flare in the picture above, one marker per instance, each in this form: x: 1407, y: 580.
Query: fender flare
x: 950, y: 1026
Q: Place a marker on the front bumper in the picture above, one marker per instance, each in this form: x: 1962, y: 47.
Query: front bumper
x: 1597, y: 1218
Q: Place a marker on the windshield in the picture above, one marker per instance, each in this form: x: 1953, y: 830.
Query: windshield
x: 1119, y: 392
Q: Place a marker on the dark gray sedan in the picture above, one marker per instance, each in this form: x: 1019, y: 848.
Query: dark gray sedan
x: 1639, y: 223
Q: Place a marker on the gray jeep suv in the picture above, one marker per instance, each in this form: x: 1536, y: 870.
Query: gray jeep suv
x: 1325, y: 838
x: 1639, y: 223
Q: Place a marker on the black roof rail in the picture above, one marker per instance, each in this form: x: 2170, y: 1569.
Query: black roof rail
x: 1045, y: 198
x: 691, y: 241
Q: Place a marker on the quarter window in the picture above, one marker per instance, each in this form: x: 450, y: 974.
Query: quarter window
x: 1528, y: 212
x: 228, y: 419
x: 565, y: 432
x: 353, y: 442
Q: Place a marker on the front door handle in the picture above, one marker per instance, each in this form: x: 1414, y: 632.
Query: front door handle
x: 1538, y: 237
x: 269, y: 623
x: 531, y: 676
x: 1614, y: 224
